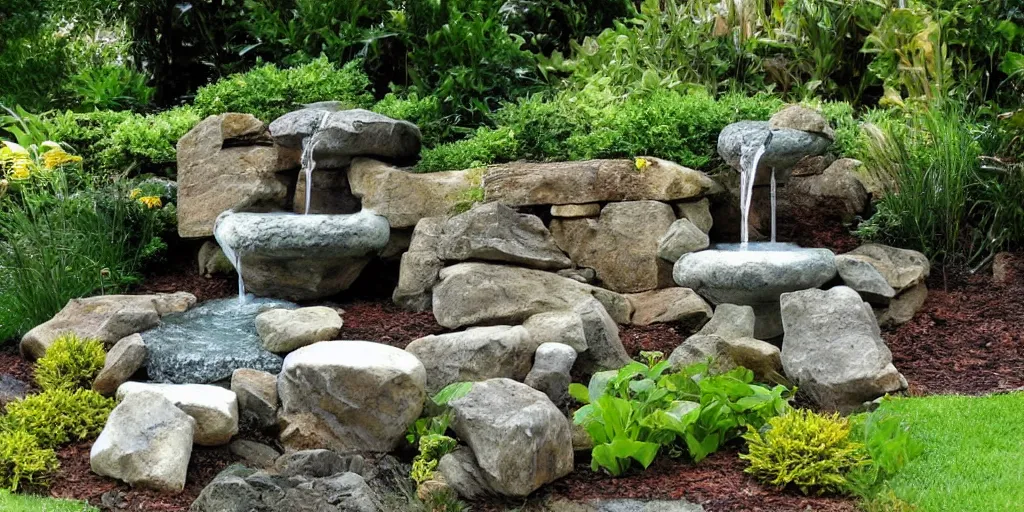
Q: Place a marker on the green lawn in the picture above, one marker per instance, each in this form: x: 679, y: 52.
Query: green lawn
x: 973, y: 455
x: 24, y: 503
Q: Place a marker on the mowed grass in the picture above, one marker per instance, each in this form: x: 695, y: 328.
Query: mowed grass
x: 25, y: 503
x: 973, y: 458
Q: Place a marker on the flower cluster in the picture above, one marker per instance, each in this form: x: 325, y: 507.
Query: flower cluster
x: 149, y: 201
x: 17, y: 163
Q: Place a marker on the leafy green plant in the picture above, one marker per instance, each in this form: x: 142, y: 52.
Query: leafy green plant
x: 110, y: 87
x: 23, y: 461
x: 432, y: 448
x: 633, y: 413
x: 70, y: 363
x: 423, y: 111
x: 802, y: 448
x: 437, y: 416
x: 889, y: 444
x: 60, y: 415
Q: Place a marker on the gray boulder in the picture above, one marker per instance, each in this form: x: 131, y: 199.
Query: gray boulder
x: 122, y: 361
x: 461, y: 472
x: 763, y: 358
x: 669, y: 305
x: 240, y: 489
x: 147, y: 442
x: 349, y: 396
x: 801, y: 118
x: 836, y: 192
x: 419, y: 267
x: 318, y: 463
x: 483, y: 293
x: 565, y: 327
x: 284, y: 330
x: 697, y: 212
x: 473, y: 355
x: 833, y: 349
x: 864, y: 278
x: 730, y: 322
x: 604, y: 347
x: 495, y: 232
x: 214, y: 408
x: 343, y: 134
x: 403, y: 197
x: 257, y: 396
x: 550, y: 373
x: 902, y: 268
x: 738, y: 141
x: 520, y: 440
x: 902, y: 308
x: 682, y: 237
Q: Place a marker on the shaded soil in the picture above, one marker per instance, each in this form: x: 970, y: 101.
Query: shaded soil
x: 384, y: 322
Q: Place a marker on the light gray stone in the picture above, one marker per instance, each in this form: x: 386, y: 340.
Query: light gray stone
x: 108, y: 318
x: 763, y: 358
x: 738, y: 141
x: 730, y: 322
x: 349, y: 396
x: 122, y: 361
x: 864, y: 278
x: 669, y: 305
x: 257, y: 396
x: 833, y: 349
x: 418, y: 272
x: 240, y: 489
x: 483, y: 293
x: 462, y: 473
x: 604, y: 347
x: 427, y: 234
x: 621, y: 245
x: 254, y: 454
x: 697, y: 212
x: 550, y: 373
x: 574, y: 211
x: 592, y: 181
x: 212, y: 260
x: 214, y: 408
x: 903, y: 307
x: 495, y: 232
x: 682, y: 237
x: 147, y: 442
x: 801, y: 118
x: 565, y: 327
x: 347, y: 133
x: 284, y: 330
x: 475, y: 354
x: 402, y: 197
x: 302, y: 257
x: 520, y: 440
x: 902, y: 268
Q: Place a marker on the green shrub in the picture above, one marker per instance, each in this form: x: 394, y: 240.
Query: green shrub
x: 59, y: 415
x: 423, y: 111
x: 485, y: 146
x: 110, y: 87
x: 432, y: 448
x: 23, y: 461
x: 802, y: 448
x: 268, y: 92
x: 890, y: 446
x: 70, y: 363
x: 633, y: 413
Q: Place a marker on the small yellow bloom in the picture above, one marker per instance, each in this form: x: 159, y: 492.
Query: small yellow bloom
x: 136, y: 193
x: 57, y: 157
x: 21, y: 169
x: 151, y: 201
x: 642, y: 163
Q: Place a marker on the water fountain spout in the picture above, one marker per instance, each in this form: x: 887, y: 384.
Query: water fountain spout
x: 748, y: 176
x: 308, y: 163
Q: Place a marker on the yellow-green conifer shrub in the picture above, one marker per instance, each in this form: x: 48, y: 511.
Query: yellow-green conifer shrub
x: 811, y: 451
x: 70, y: 363
x: 23, y: 461
x: 58, y: 416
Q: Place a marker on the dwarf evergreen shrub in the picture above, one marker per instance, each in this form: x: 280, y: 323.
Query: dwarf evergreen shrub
x: 57, y: 416
x: 70, y: 363
x: 23, y: 461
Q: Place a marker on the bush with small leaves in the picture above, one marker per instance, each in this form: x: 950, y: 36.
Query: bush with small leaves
x: 432, y: 448
x: 811, y: 451
x: 23, y: 461
x: 70, y: 362
x: 59, y: 415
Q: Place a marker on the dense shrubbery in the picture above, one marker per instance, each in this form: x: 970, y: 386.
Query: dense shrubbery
x: 60, y: 415
x: 70, y: 363
x: 22, y: 461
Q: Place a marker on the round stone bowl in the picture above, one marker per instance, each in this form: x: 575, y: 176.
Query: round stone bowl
x: 756, y: 275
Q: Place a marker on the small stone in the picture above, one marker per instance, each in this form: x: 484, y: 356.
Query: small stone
x: 697, y: 212
x: 284, y: 330
x: 342, y: 134
x: 904, y: 306
x: 1005, y: 268
x: 682, y: 237
x: 604, y: 347
x: 550, y: 373
x: 254, y: 454
x: 580, y: 275
x: 11, y: 389
x: 730, y: 322
x: 318, y: 463
x: 573, y: 211
x: 902, y: 268
x: 796, y: 117
x: 681, y: 305
x: 461, y: 471
x: 417, y: 275
x: 565, y: 327
x: 257, y: 396
x: 763, y: 358
x: 212, y: 260
x: 214, y: 408
x: 122, y: 361
x: 864, y: 278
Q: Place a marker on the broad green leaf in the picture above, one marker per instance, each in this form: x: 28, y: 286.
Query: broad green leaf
x: 579, y: 392
x: 452, y: 392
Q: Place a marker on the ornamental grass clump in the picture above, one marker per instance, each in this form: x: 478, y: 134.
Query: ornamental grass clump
x: 70, y: 363
x: 811, y: 451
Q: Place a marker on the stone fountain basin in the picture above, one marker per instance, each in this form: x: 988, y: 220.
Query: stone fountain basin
x: 756, y: 276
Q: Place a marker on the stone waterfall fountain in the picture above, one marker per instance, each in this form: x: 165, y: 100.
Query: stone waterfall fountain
x: 758, y: 273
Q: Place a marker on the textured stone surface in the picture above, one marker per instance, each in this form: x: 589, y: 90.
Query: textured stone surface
x: 402, y: 197
x: 147, y: 442
x: 697, y: 212
x: 11, y: 389
x: 240, y: 489
x: 350, y: 396
x: 551, y: 371
x: 565, y: 327
x: 520, y: 440
x: 730, y: 322
x: 482, y: 293
x: 573, y: 211
x: 214, y: 408
x: 330, y: 195
x: 284, y: 330
x: 108, y: 318
x: 801, y: 118
x: 257, y: 396
x: 462, y: 473
x: 669, y: 305
x: 904, y: 306
x: 592, y: 181
x: 218, y: 173
x: 495, y: 232
x: 347, y: 133
x: 864, y: 278
x: 212, y: 260
x: 473, y: 355
x: 837, y: 192
x: 621, y: 245
x: 254, y: 454
x: 210, y: 342
x: 763, y: 358
x: 318, y: 463
x: 833, y: 349
x: 302, y: 257
x: 902, y: 268
x: 683, y: 237
x: 419, y: 267
x: 739, y: 141
x: 604, y: 347
x: 122, y: 361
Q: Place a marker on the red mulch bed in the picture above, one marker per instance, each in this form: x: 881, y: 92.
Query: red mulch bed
x: 382, y: 321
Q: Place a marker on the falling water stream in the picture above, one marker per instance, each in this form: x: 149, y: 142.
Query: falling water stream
x: 748, y: 176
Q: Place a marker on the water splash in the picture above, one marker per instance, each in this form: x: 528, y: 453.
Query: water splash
x: 233, y: 256
x: 308, y: 163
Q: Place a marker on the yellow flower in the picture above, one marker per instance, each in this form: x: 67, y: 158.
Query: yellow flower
x: 136, y: 193
x: 641, y: 164
x: 57, y: 157
x: 21, y: 169
x: 151, y: 201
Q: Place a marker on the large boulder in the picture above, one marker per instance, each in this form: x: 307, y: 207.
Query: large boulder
x: 621, y: 245
x: 402, y: 197
x: 520, y: 440
x: 147, y: 442
x: 108, y: 318
x: 240, y: 489
x: 338, y: 136
x: 482, y: 293
x: 592, y: 181
x: 476, y: 354
x: 833, y: 349
x: 302, y: 257
x: 901, y: 268
x: 284, y: 330
x: 122, y: 361
x: 683, y: 237
x: 214, y: 408
x: 738, y: 142
x: 350, y: 396
x: 419, y: 267
x: 495, y: 232
x: 837, y: 192
x: 669, y: 305
x: 228, y: 162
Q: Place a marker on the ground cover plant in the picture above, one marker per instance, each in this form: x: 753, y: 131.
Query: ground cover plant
x: 27, y: 503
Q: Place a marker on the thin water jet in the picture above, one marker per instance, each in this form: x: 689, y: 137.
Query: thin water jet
x: 308, y: 163
x: 747, y: 178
